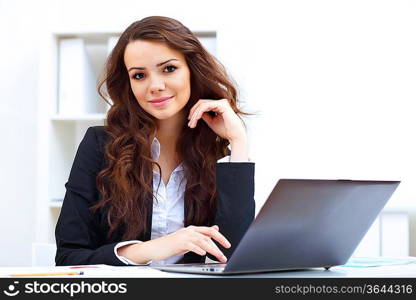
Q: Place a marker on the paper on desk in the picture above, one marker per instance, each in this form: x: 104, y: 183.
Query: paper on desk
x: 87, y: 270
x: 127, y: 271
x: 30, y: 271
x: 368, y: 262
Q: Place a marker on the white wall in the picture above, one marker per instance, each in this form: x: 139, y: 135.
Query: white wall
x: 333, y: 80
x: 18, y: 88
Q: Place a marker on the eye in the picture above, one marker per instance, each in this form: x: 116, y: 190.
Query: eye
x: 173, y: 68
x: 136, y: 76
x: 170, y: 69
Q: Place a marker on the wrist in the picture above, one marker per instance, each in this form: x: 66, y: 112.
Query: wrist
x: 239, y: 150
x: 239, y: 140
x: 238, y: 143
x: 137, y: 253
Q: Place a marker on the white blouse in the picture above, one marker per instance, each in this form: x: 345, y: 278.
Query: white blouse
x: 168, y: 210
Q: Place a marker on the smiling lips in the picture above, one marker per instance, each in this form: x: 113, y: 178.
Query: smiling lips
x: 160, y: 99
x: 160, y: 102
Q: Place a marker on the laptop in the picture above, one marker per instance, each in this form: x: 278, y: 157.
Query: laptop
x: 303, y: 224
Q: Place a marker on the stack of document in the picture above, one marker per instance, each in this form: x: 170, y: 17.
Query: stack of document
x: 368, y: 262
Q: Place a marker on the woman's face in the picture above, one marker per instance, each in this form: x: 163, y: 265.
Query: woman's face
x: 158, y: 72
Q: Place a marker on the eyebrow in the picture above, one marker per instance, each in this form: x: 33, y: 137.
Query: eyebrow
x: 158, y: 65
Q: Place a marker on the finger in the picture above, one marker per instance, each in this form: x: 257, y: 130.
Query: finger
x: 194, y: 119
x: 215, y: 234
x: 211, y: 248
x: 207, y: 117
x: 198, y: 250
x: 204, y: 107
x: 222, y: 257
x: 194, y: 115
x: 191, y: 111
x: 200, y: 101
x: 196, y: 105
x: 216, y: 227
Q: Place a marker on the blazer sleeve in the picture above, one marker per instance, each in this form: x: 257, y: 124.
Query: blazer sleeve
x: 77, y: 233
x: 235, y: 201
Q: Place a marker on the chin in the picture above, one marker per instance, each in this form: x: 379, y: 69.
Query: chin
x: 163, y: 115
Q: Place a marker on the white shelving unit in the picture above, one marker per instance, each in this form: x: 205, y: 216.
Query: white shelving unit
x: 70, y: 65
x: 81, y: 59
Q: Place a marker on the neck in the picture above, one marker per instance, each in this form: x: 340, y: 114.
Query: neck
x: 168, y: 132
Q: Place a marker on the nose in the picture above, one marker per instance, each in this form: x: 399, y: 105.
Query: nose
x: 156, y: 84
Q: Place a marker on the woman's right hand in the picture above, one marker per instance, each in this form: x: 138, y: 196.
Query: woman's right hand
x: 197, y: 239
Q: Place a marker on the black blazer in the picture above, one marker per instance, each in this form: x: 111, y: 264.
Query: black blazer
x: 81, y: 236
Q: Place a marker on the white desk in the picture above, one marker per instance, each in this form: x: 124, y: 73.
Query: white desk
x: 402, y: 270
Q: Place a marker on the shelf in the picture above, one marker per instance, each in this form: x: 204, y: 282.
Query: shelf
x: 55, y: 203
x: 74, y: 118
x: 101, y: 35
x: 399, y: 207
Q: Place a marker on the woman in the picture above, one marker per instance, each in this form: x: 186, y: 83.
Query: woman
x: 155, y: 184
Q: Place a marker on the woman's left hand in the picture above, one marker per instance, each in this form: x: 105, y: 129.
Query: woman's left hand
x: 225, y: 124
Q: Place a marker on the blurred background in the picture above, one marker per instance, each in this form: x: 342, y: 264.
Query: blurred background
x: 332, y: 84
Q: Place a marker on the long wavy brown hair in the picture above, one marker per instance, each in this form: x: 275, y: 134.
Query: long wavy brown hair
x: 125, y: 184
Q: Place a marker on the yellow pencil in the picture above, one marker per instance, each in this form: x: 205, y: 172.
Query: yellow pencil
x: 48, y: 274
